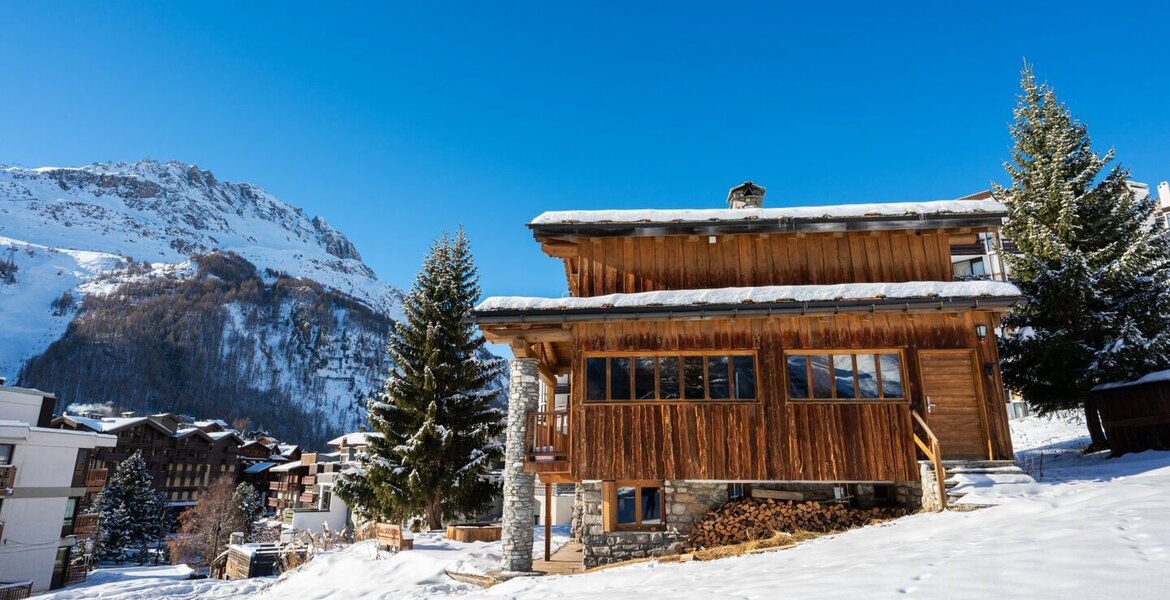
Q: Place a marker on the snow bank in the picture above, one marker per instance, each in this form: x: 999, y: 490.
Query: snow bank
x: 753, y: 214
x: 765, y: 294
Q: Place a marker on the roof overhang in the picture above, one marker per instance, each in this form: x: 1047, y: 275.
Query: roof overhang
x: 766, y: 309
x: 826, y: 224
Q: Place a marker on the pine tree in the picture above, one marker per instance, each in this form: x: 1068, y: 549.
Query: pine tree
x: 130, y: 511
x: 251, y: 507
x: 439, y: 432
x: 1093, y: 265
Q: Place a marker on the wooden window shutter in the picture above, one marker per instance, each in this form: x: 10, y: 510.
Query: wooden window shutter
x: 609, y: 505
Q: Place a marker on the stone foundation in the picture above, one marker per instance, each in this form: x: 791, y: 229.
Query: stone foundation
x: 686, y: 503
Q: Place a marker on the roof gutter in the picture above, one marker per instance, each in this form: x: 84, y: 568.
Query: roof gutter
x: 764, y: 309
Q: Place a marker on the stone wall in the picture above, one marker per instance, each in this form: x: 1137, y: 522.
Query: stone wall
x: 685, y: 503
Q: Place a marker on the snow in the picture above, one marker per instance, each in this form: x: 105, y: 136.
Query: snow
x: 751, y: 214
x: 1147, y: 378
x: 765, y: 294
x: 1089, y: 527
x: 172, y: 582
x: 354, y: 439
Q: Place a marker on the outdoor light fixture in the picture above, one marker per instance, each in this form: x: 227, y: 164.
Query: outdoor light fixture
x: 981, y: 332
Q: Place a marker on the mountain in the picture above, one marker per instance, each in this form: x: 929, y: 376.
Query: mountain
x: 154, y: 286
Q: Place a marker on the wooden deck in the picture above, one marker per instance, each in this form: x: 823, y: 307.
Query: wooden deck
x: 567, y: 560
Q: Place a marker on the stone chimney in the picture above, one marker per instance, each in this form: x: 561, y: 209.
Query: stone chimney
x: 746, y: 195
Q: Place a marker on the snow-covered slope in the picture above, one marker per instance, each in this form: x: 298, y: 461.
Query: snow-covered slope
x: 126, y: 231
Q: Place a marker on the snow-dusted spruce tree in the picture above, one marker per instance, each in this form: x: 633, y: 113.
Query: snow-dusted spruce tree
x: 130, y: 511
x: 1093, y: 265
x: 438, y: 429
x: 251, y: 506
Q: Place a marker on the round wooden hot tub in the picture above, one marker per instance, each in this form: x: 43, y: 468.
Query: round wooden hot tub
x: 473, y: 532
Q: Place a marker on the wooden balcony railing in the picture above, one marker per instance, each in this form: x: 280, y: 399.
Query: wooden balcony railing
x: 85, y: 526
x: 547, y: 436
x: 7, y: 477
x: 933, y: 453
x: 95, y: 479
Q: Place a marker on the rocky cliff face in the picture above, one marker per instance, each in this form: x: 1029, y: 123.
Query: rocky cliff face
x: 155, y: 286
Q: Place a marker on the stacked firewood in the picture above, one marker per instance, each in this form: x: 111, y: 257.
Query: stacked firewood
x: 757, y: 519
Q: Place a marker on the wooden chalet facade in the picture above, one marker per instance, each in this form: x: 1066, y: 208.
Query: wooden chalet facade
x: 708, y: 348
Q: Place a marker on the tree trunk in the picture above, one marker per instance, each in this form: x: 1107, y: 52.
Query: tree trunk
x: 435, y: 513
x: 1097, y: 438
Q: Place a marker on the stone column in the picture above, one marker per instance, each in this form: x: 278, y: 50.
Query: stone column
x: 519, y: 487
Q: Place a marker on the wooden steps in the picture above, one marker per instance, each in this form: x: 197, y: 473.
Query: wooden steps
x: 959, y: 472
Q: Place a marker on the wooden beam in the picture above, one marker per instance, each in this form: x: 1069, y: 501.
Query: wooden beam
x: 547, y: 521
x: 560, y: 249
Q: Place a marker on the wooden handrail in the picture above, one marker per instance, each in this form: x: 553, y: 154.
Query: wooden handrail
x: 933, y: 452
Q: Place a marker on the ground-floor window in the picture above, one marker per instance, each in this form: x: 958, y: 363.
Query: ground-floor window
x: 632, y: 504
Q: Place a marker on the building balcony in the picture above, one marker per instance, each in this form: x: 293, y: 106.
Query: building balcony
x: 546, y: 438
x: 85, y: 526
x: 95, y: 479
x: 7, y: 478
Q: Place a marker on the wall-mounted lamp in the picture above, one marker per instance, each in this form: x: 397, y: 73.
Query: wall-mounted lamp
x: 981, y: 332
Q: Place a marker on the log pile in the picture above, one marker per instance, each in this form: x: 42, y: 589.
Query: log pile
x: 758, y: 519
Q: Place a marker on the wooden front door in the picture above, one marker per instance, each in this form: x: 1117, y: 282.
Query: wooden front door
x: 951, y: 396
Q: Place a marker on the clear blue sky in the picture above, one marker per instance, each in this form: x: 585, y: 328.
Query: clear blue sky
x: 398, y: 123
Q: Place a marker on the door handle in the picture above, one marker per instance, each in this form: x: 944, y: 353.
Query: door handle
x: 929, y: 405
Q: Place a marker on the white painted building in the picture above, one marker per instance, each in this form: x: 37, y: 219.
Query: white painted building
x: 44, y: 475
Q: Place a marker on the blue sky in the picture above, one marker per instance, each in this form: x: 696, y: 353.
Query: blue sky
x: 396, y: 123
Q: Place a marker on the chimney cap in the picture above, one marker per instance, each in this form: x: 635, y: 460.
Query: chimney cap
x: 746, y: 195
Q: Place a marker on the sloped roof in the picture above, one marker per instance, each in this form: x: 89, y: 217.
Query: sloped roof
x: 748, y: 300
x: 358, y: 438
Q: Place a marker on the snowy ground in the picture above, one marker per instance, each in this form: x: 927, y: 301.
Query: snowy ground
x: 1090, y: 527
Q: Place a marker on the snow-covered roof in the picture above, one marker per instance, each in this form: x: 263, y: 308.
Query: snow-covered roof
x: 109, y: 424
x: 359, y: 438
x: 259, y: 467
x: 1154, y: 377
x: 723, y: 215
x: 288, y: 467
x: 210, y: 422
x: 775, y: 294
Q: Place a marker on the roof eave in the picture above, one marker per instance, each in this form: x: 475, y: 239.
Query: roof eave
x: 763, y: 309
x: 758, y: 226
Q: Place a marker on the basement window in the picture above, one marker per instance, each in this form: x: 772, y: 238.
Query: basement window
x: 712, y: 376
x: 632, y: 505
x: 835, y: 375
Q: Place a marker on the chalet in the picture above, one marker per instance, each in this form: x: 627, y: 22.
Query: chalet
x: 182, y: 459
x: 822, y: 350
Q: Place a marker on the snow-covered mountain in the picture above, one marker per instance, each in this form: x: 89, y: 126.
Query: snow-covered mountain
x: 247, y: 296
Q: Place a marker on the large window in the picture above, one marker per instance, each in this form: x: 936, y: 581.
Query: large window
x: 6, y: 454
x: 838, y: 375
x: 714, y: 376
x: 632, y: 505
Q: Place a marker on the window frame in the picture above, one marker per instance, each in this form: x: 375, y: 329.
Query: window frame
x: 853, y: 353
x: 609, y: 505
x: 633, y: 355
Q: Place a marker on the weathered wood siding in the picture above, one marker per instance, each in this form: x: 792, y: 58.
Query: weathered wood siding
x: 1136, y: 417
x: 643, y: 264
x: 770, y: 438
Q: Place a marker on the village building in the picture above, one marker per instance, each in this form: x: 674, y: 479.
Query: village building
x: 183, y: 459
x: 825, y: 351
x: 45, y: 474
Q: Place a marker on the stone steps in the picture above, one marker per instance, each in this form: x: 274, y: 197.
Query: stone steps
x: 963, y: 475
